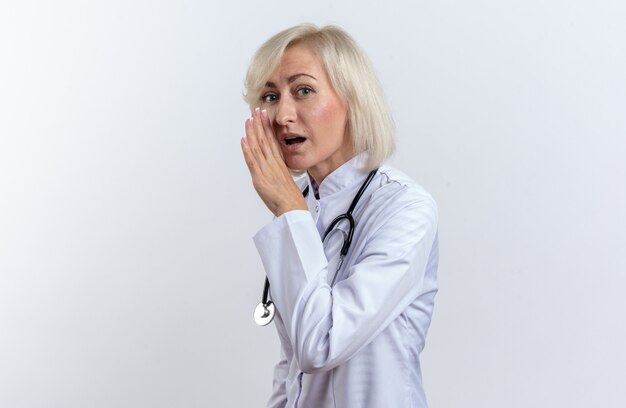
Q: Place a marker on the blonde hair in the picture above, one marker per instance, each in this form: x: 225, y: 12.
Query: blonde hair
x: 369, y: 122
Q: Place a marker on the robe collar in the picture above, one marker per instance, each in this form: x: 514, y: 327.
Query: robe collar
x: 344, y: 177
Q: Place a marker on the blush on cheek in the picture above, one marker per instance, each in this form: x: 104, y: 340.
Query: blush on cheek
x: 327, y: 110
x: 332, y: 116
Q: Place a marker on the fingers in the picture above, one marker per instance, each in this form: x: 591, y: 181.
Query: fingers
x: 272, y: 142
x: 261, y: 150
x: 249, y: 156
x: 257, y: 146
x: 254, y: 138
x: 270, y: 176
x: 264, y: 134
x: 259, y: 133
x: 261, y: 140
x: 250, y: 147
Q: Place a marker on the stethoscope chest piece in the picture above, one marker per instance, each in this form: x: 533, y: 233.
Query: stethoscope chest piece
x: 264, y: 313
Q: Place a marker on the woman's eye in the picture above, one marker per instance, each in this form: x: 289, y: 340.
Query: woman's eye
x: 304, y: 91
x: 269, y: 98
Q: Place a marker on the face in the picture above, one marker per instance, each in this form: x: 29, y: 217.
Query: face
x: 308, y: 117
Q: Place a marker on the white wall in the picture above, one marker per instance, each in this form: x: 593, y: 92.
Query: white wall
x: 127, y: 271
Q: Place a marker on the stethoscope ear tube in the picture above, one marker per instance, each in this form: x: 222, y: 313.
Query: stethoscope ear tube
x: 265, y: 311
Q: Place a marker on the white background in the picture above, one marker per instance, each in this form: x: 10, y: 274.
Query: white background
x: 127, y: 271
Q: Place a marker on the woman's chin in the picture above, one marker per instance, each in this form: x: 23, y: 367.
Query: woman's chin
x: 296, y: 165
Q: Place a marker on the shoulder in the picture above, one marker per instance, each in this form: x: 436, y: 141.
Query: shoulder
x: 401, y: 215
x: 396, y: 190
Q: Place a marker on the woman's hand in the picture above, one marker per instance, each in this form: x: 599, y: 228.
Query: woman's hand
x: 270, y: 177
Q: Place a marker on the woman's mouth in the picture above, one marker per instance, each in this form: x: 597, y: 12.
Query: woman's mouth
x: 293, y: 144
x: 294, y: 140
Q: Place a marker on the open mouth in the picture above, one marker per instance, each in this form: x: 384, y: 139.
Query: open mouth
x: 294, y: 139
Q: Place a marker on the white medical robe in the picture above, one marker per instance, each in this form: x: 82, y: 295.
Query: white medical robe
x: 354, y: 344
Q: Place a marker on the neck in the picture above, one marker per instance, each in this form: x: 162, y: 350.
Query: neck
x: 321, y: 171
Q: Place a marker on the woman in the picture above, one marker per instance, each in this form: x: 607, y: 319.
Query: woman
x: 351, y: 325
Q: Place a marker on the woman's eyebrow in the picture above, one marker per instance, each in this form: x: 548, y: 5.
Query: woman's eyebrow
x: 296, y: 76
x: 292, y: 78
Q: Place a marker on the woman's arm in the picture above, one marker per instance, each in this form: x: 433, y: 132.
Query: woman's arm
x: 327, y: 326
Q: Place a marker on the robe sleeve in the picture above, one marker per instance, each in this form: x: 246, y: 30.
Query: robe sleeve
x: 327, y: 326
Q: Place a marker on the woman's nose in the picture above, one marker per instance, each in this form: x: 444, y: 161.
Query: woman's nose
x: 285, y: 111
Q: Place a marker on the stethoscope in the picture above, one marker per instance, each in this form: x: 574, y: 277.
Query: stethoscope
x: 265, y: 311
